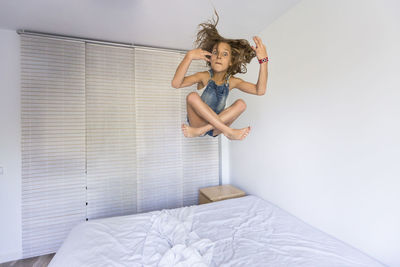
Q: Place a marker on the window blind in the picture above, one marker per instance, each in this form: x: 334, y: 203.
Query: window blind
x: 158, y: 137
x: 53, y: 141
x: 101, y: 136
x: 110, y: 126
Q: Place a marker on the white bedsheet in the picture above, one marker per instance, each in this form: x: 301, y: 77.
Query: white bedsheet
x: 246, y: 231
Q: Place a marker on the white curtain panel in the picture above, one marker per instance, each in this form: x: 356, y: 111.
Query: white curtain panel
x: 101, y: 137
x: 158, y: 136
x: 110, y: 128
x: 53, y: 141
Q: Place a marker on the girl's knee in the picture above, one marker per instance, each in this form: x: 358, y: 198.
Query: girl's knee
x: 192, y: 97
x: 241, y: 104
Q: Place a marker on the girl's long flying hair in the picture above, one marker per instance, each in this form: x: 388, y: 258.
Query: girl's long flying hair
x: 242, y: 53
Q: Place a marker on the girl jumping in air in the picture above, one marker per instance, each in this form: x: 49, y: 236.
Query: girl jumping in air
x: 225, y: 57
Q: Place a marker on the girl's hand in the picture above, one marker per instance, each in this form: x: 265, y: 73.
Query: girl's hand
x: 199, y: 54
x: 261, y: 51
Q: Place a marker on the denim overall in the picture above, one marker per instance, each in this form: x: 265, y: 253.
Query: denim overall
x: 215, y: 96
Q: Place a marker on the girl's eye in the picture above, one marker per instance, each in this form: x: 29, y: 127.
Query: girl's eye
x: 225, y: 54
x: 214, y: 52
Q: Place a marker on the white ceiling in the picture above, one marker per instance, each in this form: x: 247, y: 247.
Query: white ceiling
x: 160, y: 23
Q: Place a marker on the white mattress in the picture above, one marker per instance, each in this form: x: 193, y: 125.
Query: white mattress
x: 236, y: 232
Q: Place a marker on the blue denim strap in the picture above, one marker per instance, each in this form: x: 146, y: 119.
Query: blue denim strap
x: 227, y: 81
x: 211, y: 73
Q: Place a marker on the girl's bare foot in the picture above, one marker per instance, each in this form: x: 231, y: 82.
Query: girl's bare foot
x: 238, y: 134
x: 191, y: 131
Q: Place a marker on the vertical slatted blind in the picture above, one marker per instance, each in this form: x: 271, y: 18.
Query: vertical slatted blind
x: 111, y: 152
x: 53, y: 141
x: 159, y: 159
x: 106, y: 119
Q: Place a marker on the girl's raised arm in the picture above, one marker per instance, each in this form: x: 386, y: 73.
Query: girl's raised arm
x: 179, y: 79
x: 261, y: 86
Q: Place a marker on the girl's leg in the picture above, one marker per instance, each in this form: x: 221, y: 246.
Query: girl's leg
x: 200, y: 113
x: 228, y: 116
x: 230, y: 120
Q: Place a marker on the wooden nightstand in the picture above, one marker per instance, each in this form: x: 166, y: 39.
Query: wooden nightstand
x: 217, y: 193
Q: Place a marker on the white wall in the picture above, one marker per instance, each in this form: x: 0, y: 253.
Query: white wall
x: 10, y: 147
x: 325, y: 140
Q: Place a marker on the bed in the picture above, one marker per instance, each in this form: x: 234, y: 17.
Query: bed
x: 246, y: 231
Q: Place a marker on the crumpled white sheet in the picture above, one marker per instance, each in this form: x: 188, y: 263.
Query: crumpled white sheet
x: 246, y: 231
x: 171, y: 241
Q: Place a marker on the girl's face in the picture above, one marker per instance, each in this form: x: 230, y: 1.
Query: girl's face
x: 221, y: 57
